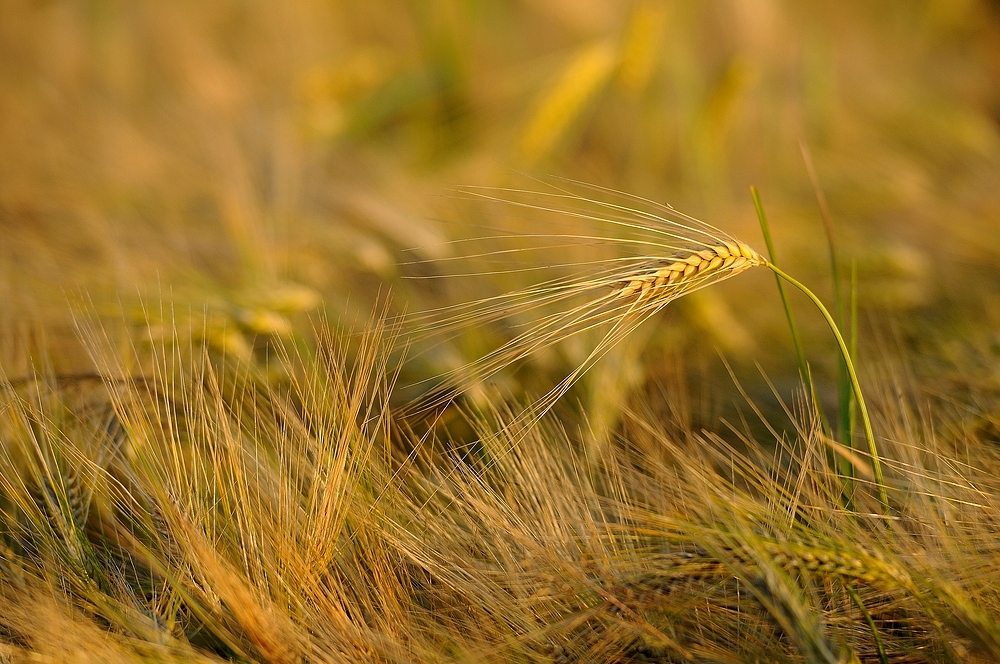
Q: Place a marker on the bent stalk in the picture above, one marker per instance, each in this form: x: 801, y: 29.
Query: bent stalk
x: 869, y: 434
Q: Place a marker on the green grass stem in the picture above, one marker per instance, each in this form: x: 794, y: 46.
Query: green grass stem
x: 883, y: 658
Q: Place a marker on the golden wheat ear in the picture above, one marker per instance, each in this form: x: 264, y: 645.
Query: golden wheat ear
x: 673, y: 277
x: 621, y: 260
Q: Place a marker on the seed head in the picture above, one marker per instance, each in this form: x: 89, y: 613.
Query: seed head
x: 668, y: 278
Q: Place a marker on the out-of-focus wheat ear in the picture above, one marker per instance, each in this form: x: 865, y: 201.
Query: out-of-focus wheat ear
x: 77, y: 498
x: 586, y: 73
x: 53, y: 497
x: 116, y: 437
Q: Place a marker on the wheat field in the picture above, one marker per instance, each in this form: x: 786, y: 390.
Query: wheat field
x: 482, y: 331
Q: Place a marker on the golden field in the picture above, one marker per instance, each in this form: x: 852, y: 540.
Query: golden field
x: 324, y: 338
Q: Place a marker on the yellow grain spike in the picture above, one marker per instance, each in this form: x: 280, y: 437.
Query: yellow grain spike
x: 587, y: 72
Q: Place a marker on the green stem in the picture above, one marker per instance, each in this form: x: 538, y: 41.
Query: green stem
x: 869, y: 434
x: 879, y: 646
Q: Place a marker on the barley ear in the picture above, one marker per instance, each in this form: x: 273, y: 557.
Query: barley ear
x: 869, y: 434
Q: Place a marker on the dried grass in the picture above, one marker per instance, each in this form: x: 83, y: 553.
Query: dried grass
x: 278, y: 525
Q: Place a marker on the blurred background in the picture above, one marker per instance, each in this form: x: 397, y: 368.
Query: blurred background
x: 225, y: 170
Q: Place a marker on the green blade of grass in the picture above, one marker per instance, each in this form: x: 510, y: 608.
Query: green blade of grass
x: 876, y: 637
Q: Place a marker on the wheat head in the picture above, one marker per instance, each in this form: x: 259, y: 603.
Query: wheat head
x: 673, y: 277
x: 653, y: 254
